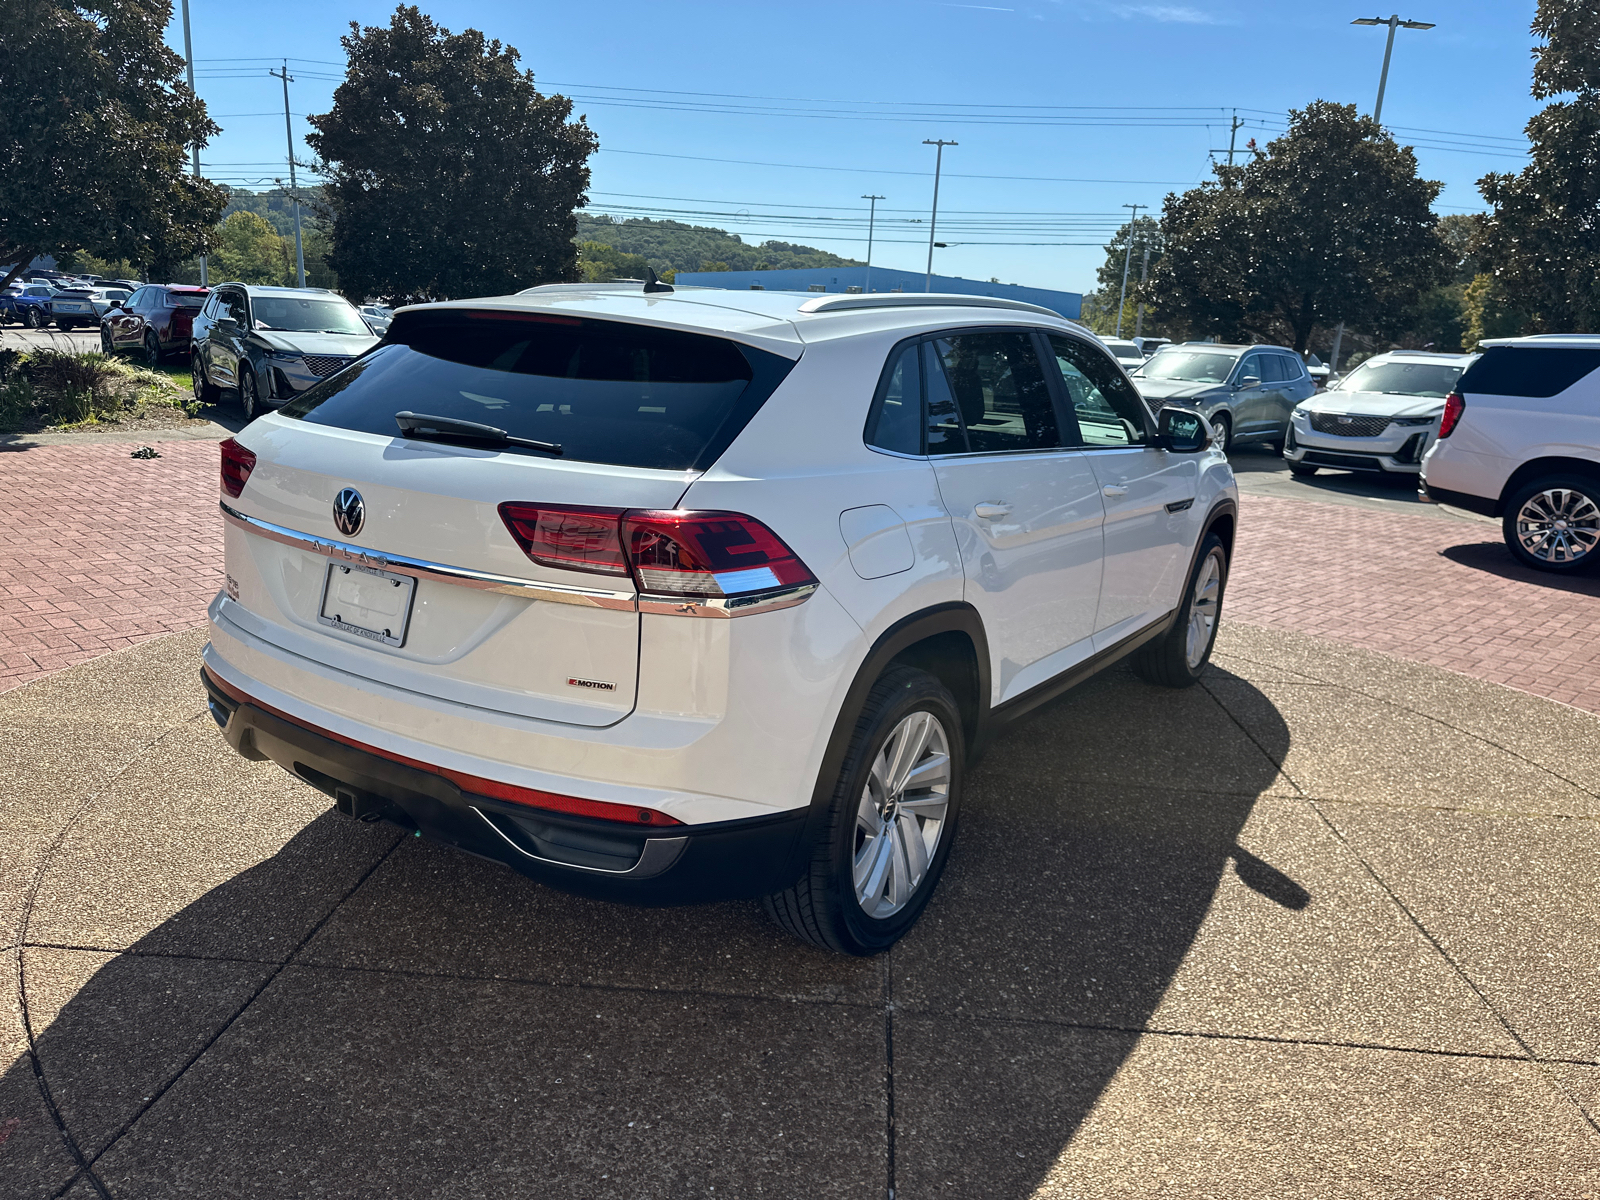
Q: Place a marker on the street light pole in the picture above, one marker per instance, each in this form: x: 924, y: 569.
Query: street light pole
x: 188, y: 55
x: 1144, y: 273
x: 872, y: 216
x: 1393, y: 22
x: 294, y: 192
x: 938, y: 164
x: 1127, y: 257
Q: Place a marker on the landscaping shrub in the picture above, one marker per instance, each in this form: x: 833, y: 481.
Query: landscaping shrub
x: 51, y: 387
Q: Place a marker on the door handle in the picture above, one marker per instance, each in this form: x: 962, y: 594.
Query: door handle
x: 991, y: 512
x: 1111, y: 491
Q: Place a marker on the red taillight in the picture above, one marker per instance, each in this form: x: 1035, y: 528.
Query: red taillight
x: 1454, y: 406
x: 686, y: 553
x: 671, y: 552
x: 237, y: 463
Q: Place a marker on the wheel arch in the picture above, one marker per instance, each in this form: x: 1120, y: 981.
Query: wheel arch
x: 1554, y: 464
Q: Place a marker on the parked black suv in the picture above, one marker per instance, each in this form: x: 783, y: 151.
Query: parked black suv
x: 269, y: 344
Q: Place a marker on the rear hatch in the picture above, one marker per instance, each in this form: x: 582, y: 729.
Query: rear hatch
x: 185, y: 307
x: 446, y: 603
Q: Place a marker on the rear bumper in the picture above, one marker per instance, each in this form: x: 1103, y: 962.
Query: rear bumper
x: 1482, y: 505
x: 612, y: 860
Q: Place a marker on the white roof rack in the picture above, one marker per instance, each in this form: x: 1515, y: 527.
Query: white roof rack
x: 846, y: 302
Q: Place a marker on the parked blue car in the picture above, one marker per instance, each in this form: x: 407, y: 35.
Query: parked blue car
x: 29, y: 304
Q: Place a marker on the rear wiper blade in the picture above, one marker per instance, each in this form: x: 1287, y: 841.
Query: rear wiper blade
x: 423, y: 426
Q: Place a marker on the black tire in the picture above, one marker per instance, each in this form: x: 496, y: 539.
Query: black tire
x: 65, y: 326
x: 205, y: 391
x: 249, y: 393
x: 1576, y: 500
x: 1166, y: 660
x: 1223, y: 424
x: 1302, y: 470
x: 821, y: 907
x: 33, y: 319
x: 106, y: 347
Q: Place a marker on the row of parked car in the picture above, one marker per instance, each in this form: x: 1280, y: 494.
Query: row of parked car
x: 67, y: 305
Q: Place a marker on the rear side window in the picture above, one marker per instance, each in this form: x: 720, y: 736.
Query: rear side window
x: 1537, y: 371
x: 897, y: 421
x: 607, y: 392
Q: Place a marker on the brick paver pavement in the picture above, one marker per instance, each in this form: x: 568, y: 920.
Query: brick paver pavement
x: 101, y: 550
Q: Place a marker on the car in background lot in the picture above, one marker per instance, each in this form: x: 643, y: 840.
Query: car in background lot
x: 269, y: 344
x: 28, y: 304
x: 1520, y: 440
x: 155, y: 321
x: 378, y: 316
x: 1320, y: 372
x: 1246, y: 392
x: 1383, y: 416
x: 1126, y: 352
x: 679, y: 597
x: 105, y: 299
x: 73, y: 306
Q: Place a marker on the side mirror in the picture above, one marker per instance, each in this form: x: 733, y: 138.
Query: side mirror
x: 1181, y: 430
x: 1248, y: 381
x: 116, y: 304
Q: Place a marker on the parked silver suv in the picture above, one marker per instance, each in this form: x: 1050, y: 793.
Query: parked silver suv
x: 1246, y: 392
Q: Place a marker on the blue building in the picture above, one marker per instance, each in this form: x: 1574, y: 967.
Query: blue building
x: 884, y: 279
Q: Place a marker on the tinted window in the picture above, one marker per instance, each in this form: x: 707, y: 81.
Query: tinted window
x: 999, y: 391
x: 234, y: 301
x: 137, y: 299
x: 1293, y: 368
x: 1108, y: 411
x: 185, y: 300
x: 1528, y: 370
x: 1274, y: 368
x: 896, y: 422
x: 630, y: 395
x: 945, y: 435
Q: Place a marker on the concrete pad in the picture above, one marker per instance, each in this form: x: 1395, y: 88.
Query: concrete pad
x: 1141, y: 909
x: 195, y: 850
x: 371, y: 1084
x: 1514, y: 901
x: 34, y: 1159
x: 155, y: 682
x: 1013, y: 1109
x: 435, y: 910
x: 1120, y: 730
x: 1349, y: 746
x: 111, y: 1030
x: 1556, y: 736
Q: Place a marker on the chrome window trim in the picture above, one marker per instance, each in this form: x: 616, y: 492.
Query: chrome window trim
x: 717, y: 607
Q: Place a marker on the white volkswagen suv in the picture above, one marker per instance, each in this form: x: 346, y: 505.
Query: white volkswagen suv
x: 675, y: 596
x: 1520, y: 440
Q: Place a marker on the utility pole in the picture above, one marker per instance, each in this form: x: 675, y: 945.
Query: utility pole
x: 1127, y: 257
x: 1233, y: 132
x: 938, y: 164
x: 188, y: 55
x: 1144, y: 273
x: 1393, y: 22
x: 872, y: 216
x: 294, y: 192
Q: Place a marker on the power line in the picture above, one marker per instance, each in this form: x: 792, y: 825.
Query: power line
x: 748, y: 162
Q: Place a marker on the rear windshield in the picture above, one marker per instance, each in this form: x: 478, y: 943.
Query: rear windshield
x: 607, y: 392
x: 1528, y: 370
x: 186, y: 299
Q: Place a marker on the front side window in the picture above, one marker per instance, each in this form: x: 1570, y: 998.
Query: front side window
x: 988, y: 388
x: 234, y: 305
x: 1109, y: 412
x: 1250, y: 368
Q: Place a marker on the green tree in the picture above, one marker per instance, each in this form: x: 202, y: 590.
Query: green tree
x: 94, y: 136
x: 1330, y: 222
x: 249, y: 250
x: 449, y: 173
x: 1542, y: 239
x: 1146, y: 232
x: 600, y: 263
x: 1487, y: 312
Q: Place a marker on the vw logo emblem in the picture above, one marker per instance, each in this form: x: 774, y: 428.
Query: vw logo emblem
x: 349, y: 512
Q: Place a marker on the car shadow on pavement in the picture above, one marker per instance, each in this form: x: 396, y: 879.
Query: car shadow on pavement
x: 364, y: 1012
x: 1495, y: 559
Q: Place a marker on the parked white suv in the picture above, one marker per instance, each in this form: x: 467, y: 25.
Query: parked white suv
x: 1520, y: 440
x: 1381, y: 417
x: 669, y: 596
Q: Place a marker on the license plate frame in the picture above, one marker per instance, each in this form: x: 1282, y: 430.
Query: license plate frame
x: 388, y: 635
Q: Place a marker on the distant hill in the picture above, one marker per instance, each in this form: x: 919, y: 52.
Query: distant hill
x: 674, y: 246
x: 274, y: 207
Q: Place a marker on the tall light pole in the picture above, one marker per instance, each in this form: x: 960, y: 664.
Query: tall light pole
x: 872, y: 216
x: 294, y: 192
x: 938, y: 163
x: 1393, y: 22
x: 1144, y: 274
x: 1127, y: 257
x: 188, y: 55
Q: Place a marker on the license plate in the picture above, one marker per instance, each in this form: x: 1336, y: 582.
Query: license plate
x: 73, y: 307
x: 369, y: 603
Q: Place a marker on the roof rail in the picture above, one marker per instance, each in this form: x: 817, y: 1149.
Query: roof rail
x: 846, y: 302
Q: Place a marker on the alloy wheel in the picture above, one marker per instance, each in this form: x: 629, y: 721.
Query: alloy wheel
x: 197, y: 377
x: 901, y: 815
x: 247, y: 394
x: 1559, y: 525
x: 1204, y: 606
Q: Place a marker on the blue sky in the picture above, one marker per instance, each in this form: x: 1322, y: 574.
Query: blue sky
x: 1064, y: 110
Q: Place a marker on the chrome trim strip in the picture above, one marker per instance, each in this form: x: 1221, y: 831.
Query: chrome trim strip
x: 527, y: 589
x: 483, y: 581
x: 659, y: 853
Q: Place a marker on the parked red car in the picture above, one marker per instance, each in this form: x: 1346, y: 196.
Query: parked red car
x: 156, y: 320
